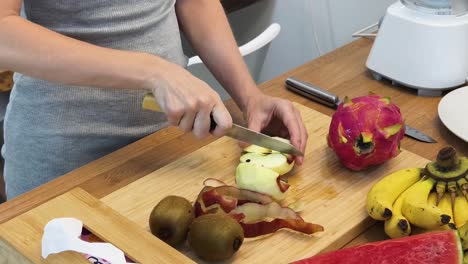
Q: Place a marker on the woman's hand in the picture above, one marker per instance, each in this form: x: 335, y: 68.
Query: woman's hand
x: 276, y: 117
x: 218, y: 49
x: 188, y: 102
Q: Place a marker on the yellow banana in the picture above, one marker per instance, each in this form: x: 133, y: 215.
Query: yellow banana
x: 416, y: 209
x: 383, y: 194
x: 432, y: 200
x: 398, y: 226
x: 463, y: 230
x: 460, y: 210
x: 446, y: 206
x: 465, y: 259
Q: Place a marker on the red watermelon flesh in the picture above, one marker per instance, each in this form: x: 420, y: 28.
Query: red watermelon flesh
x: 441, y: 247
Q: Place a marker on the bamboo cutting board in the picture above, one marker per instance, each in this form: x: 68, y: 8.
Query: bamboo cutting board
x: 334, y: 197
x: 20, y: 238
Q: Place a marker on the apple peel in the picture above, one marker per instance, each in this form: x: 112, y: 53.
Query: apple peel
x: 266, y: 219
x: 297, y: 206
x: 264, y: 228
x: 212, y: 182
x: 257, y: 213
x: 219, y: 195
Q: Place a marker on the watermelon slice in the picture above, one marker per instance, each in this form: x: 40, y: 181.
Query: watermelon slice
x: 441, y: 247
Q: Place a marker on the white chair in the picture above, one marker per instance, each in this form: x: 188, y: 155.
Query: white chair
x: 196, y: 67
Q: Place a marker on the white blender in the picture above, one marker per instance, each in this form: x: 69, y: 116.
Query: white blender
x: 423, y: 44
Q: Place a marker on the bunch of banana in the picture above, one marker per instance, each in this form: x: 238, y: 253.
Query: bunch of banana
x: 431, y: 198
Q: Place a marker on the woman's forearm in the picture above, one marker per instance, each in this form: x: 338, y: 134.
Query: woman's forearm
x: 35, y: 51
x: 207, y: 28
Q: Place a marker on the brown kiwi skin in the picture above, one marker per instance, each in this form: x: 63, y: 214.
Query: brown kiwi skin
x: 215, y: 237
x: 170, y: 219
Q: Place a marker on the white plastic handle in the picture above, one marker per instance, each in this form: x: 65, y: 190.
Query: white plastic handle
x: 255, y: 44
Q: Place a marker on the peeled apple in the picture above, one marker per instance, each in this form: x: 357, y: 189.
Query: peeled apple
x: 276, y: 161
x: 260, y: 169
x: 260, y: 179
x: 366, y: 131
x: 257, y: 149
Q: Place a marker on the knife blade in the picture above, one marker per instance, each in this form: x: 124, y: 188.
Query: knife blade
x: 332, y: 100
x: 237, y: 132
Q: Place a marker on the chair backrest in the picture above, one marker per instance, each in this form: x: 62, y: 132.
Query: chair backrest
x: 255, y: 44
x: 196, y: 67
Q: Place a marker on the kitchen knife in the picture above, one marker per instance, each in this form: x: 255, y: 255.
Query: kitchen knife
x: 238, y: 132
x: 329, y: 99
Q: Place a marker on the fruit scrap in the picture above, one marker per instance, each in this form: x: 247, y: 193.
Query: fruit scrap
x: 253, y: 218
x: 211, y: 182
x: 228, y: 197
x: 264, y: 227
x: 253, y: 212
x: 257, y: 213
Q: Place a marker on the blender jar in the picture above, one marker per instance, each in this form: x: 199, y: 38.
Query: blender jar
x: 439, y: 7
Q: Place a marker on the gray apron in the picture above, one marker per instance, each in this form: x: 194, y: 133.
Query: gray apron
x: 51, y: 129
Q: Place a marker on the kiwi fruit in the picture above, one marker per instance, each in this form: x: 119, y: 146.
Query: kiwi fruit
x: 171, y: 218
x: 215, y: 237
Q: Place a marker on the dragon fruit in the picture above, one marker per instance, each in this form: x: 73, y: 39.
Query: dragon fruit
x: 366, y: 131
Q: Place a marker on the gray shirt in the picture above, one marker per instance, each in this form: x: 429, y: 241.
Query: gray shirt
x: 51, y: 129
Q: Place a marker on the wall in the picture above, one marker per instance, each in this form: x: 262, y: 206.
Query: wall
x: 310, y: 28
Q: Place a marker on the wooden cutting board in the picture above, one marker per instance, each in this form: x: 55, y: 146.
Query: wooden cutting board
x: 20, y: 238
x: 334, y: 196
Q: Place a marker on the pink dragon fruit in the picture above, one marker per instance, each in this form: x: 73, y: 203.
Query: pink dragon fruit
x: 366, y: 131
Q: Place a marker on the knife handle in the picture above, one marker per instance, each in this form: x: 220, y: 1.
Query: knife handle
x: 312, y: 92
x: 150, y: 103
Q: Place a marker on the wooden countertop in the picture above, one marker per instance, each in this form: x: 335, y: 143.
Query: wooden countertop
x: 342, y: 72
x: 6, y: 80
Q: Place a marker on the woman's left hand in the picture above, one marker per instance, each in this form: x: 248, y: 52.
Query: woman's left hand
x: 276, y: 117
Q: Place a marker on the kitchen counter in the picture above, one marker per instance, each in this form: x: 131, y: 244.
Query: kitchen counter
x: 342, y: 72
x: 6, y: 80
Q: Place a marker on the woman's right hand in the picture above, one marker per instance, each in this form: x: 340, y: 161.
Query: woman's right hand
x: 188, y: 102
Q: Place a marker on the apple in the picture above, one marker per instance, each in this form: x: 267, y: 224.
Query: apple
x: 260, y: 179
x: 276, y: 162
x: 257, y: 149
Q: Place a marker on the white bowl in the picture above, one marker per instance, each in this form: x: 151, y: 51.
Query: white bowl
x: 453, y: 111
